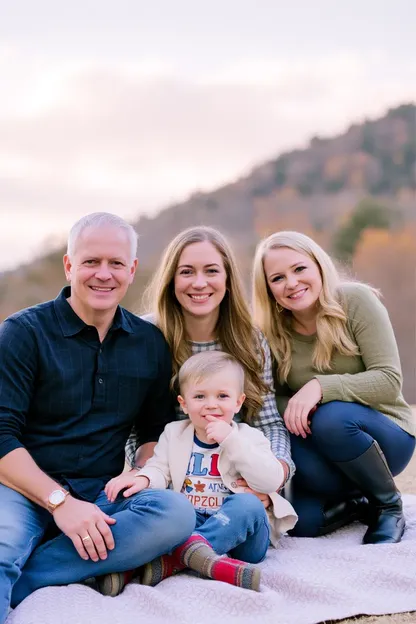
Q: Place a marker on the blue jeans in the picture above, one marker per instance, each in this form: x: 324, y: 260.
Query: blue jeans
x: 149, y: 524
x: 240, y: 527
x: 341, y: 432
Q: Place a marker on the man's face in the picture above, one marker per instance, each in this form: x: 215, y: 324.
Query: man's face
x: 100, y: 270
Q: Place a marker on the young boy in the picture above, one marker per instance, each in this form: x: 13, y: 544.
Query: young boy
x: 203, y: 458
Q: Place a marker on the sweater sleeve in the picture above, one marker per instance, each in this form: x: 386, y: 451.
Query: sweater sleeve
x: 373, y: 333
x: 269, y: 421
x: 251, y: 454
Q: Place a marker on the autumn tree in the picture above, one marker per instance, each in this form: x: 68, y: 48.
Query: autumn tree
x: 369, y: 213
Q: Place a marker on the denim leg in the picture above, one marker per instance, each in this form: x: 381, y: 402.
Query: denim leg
x: 343, y: 431
x: 22, y: 525
x: 316, y: 484
x: 149, y: 524
x: 314, y: 472
x: 310, y: 508
x: 240, y: 527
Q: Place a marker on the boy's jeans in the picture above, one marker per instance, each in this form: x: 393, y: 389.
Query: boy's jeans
x: 240, y: 527
x: 149, y: 524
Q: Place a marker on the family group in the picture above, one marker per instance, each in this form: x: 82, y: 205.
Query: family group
x: 190, y: 439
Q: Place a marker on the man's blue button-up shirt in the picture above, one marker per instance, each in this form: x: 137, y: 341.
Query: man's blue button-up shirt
x: 71, y: 400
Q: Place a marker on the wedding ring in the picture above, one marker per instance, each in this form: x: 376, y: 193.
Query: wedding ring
x: 84, y: 539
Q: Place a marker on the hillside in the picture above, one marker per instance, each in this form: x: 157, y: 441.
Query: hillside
x: 313, y: 190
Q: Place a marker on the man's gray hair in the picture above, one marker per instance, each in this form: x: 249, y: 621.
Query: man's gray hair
x: 100, y: 219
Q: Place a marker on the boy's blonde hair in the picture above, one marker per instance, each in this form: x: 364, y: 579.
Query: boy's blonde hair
x: 203, y: 365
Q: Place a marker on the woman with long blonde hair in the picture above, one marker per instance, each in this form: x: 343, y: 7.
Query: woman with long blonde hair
x: 197, y: 299
x: 339, y: 388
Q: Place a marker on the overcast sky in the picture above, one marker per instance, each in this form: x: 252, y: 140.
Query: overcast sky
x: 128, y: 105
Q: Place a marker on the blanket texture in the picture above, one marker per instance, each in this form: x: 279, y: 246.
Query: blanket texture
x: 304, y: 581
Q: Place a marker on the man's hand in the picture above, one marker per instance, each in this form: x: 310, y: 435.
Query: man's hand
x: 87, y: 526
x: 265, y: 498
x: 298, y: 411
x: 127, y: 481
x: 217, y: 429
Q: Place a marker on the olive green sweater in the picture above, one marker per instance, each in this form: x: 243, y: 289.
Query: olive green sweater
x: 373, y: 378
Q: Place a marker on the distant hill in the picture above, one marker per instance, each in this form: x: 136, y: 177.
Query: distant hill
x: 313, y: 190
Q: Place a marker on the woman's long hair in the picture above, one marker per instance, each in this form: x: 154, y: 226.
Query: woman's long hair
x: 234, y: 331
x: 331, y: 318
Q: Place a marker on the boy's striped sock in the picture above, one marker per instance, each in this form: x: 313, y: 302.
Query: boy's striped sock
x: 196, y: 553
x: 160, y: 569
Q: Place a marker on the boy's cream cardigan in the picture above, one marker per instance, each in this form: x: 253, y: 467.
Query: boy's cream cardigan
x: 245, y: 452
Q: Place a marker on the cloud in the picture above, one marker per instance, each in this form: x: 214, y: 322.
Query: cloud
x: 130, y: 137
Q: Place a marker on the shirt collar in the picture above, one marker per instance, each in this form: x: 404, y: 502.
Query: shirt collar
x: 71, y: 324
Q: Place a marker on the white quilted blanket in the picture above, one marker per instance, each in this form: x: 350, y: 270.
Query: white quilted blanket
x: 305, y: 581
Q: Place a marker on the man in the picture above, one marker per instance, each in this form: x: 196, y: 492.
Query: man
x: 76, y: 374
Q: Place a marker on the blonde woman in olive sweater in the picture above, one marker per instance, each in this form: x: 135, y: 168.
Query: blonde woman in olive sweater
x: 340, y: 389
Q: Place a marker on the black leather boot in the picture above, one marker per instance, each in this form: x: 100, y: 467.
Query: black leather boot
x: 372, y: 475
x: 337, y: 515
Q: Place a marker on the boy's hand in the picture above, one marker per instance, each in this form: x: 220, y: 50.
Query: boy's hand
x: 217, y: 429
x: 127, y: 481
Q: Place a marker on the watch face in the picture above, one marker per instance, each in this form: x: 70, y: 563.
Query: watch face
x: 56, y: 497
